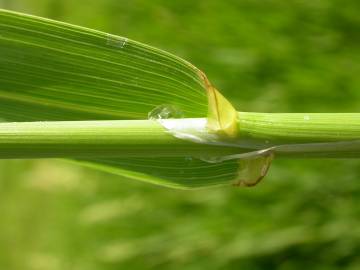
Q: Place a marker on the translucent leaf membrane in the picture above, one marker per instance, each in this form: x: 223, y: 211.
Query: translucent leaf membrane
x: 56, y: 71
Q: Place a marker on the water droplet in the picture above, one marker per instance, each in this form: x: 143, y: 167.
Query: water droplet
x: 211, y: 159
x: 115, y: 41
x: 165, y: 111
x: 306, y: 117
x: 188, y: 159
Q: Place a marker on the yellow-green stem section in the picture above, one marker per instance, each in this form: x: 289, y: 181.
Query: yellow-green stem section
x: 296, y: 135
x: 75, y: 139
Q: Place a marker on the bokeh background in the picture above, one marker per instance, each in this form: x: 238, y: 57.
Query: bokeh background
x: 265, y: 55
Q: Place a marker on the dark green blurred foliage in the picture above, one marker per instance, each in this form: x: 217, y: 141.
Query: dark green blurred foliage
x: 264, y: 55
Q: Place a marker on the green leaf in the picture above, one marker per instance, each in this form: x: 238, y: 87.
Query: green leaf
x: 56, y: 71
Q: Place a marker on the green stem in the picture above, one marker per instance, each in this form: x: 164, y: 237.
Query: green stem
x: 302, y: 134
x: 75, y: 139
x: 297, y: 135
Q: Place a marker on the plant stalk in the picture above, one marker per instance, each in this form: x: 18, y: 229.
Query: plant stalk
x: 294, y: 135
x: 90, y: 139
x: 326, y: 135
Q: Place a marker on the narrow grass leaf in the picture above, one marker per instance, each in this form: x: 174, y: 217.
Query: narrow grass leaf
x: 56, y: 71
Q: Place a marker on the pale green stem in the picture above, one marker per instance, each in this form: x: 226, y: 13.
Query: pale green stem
x: 297, y: 135
x: 74, y: 139
x: 302, y: 134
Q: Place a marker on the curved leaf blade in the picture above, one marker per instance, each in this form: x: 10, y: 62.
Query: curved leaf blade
x: 82, y: 71
x: 56, y: 71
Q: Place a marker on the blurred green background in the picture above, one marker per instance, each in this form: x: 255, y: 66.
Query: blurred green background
x: 265, y: 55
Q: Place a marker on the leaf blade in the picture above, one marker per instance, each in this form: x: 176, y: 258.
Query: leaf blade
x: 56, y: 71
